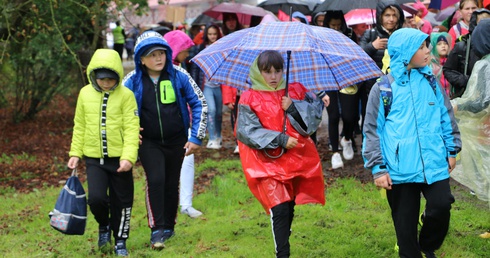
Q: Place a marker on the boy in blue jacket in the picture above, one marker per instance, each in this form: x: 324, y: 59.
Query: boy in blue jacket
x: 164, y: 92
x: 410, y: 143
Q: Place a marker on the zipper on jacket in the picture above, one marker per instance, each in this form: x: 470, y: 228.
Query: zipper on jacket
x: 158, y: 111
x: 417, y: 128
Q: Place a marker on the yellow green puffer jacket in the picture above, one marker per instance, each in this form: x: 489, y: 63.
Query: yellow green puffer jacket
x: 122, y: 120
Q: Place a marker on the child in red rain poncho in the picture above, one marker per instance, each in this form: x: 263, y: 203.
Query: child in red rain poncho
x: 295, y: 177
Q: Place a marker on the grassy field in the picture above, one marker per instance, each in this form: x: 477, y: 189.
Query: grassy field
x: 355, y: 222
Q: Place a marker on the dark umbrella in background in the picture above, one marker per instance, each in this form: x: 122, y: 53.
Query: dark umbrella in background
x: 346, y: 5
x: 303, y: 6
x: 203, y: 19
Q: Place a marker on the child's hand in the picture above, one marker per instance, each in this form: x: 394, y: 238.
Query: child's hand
x: 384, y: 182
x: 286, y: 102
x: 292, y: 142
x: 73, y: 162
x: 452, y: 164
x: 190, y: 148
x: 141, y: 137
x: 326, y: 100
x: 124, y: 165
x: 231, y: 106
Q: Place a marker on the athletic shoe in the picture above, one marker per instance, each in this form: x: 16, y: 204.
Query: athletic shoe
x: 120, y: 248
x: 337, y: 161
x: 214, y: 144
x: 104, y: 242
x: 485, y: 235
x: 193, y: 213
x: 156, y: 240
x: 347, y: 151
x: 167, y: 233
x: 236, y: 151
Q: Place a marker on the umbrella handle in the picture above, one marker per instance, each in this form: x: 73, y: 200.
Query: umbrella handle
x: 277, y: 156
x: 288, y: 60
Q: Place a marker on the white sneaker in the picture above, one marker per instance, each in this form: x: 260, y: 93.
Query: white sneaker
x: 213, y: 144
x: 337, y: 161
x: 236, y: 151
x: 347, y: 150
x: 193, y: 213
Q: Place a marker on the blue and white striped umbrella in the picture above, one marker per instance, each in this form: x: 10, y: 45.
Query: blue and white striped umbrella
x: 321, y: 58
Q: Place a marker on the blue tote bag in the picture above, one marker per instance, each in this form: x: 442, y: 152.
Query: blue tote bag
x: 70, y: 212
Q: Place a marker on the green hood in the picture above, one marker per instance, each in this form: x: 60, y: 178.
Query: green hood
x: 258, y: 82
x: 105, y: 58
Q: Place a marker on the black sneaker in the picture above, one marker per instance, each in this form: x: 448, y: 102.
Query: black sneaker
x: 104, y: 242
x: 120, y: 248
x: 156, y: 239
x: 167, y: 233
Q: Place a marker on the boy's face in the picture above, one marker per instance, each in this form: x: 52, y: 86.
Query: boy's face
x: 182, y: 55
x: 155, y: 62
x: 212, y: 35
x: 421, y: 58
x: 389, y: 19
x: 272, y: 77
x: 231, y: 24
x: 106, y: 83
x: 442, y: 48
x: 335, y: 24
x: 319, y: 20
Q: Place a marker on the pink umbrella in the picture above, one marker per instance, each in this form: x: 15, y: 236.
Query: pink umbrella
x: 243, y: 11
x: 367, y: 16
x: 359, y: 16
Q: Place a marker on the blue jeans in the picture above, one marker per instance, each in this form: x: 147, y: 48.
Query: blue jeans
x: 214, y: 98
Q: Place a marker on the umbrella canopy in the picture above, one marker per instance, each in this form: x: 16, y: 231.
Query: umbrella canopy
x: 441, y: 4
x: 321, y: 58
x: 303, y: 6
x: 243, y: 11
x: 347, y: 5
x: 203, y: 19
x: 367, y: 16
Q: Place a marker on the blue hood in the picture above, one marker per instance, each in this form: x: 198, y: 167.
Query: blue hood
x: 402, y: 45
x: 144, y: 42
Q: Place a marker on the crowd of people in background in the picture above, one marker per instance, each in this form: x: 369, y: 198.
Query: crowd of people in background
x: 196, y: 109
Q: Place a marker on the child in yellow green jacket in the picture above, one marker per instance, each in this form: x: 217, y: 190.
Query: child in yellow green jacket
x: 106, y: 135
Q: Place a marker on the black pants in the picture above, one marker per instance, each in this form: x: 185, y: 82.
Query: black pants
x: 118, y: 202
x: 119, y: 48
x: 162, y: 166
x: 347, y: 107
x: 404, y: 200
x: 282, y: 218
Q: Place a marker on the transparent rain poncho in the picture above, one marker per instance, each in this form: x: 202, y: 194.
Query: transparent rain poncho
x: 473, y: 117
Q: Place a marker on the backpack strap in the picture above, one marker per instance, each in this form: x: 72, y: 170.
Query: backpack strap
x: 385, y: 93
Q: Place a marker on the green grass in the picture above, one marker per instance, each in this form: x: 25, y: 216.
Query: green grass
x: 355, y: 222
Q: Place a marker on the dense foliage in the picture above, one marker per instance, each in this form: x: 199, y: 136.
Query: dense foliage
x: 46, y: 44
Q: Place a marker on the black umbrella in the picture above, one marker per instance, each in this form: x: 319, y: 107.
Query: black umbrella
x: 346, y: 5
x: 203, y: 19
x: 303, y: 6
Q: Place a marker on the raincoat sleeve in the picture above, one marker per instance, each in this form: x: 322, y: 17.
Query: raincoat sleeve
x: 373, y: 126
x: 306, y: 115
x: 477, y: 95
x: 250, y: 131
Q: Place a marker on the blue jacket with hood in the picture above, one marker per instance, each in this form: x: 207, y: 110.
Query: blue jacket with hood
x: 186, y: 90
x: 414, y: 140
